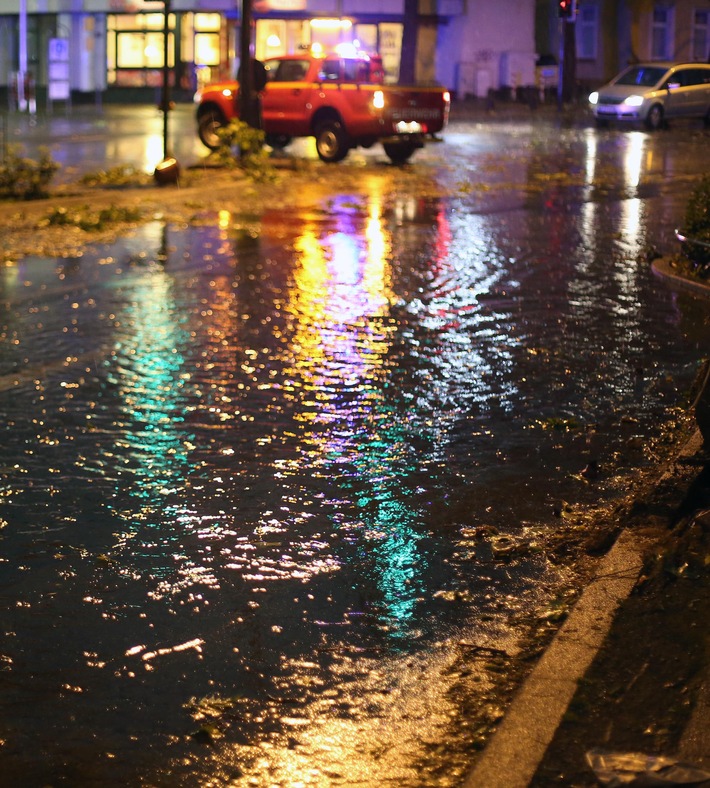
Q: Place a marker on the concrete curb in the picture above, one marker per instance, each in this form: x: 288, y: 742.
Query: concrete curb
x: 663, y: 269
x: 518, y: 746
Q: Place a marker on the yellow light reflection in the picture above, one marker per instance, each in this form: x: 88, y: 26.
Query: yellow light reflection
x: 633, y: 159
x: 340, y: 303
x: 590, y: 160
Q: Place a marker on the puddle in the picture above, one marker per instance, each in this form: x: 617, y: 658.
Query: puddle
x: 266, y: 490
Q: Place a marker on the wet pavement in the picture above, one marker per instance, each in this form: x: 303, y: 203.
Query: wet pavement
x: 276, y: 493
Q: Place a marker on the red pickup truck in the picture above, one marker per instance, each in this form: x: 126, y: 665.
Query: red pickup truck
x: 341, y: 101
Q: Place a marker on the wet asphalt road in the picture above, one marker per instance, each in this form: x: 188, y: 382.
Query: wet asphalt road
x: 276, y: 494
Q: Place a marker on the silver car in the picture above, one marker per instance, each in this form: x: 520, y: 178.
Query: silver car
x: 653, y: 93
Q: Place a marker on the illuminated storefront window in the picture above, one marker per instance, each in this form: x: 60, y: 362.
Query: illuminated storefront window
x: 135, y: 49
x: 202, y: 45
x: 207, y: 50
x: 276, y: 37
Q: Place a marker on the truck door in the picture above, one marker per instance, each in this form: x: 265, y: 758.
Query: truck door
x: 285, y: 97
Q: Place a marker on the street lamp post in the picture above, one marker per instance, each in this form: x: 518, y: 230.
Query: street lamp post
x: 168, y: 170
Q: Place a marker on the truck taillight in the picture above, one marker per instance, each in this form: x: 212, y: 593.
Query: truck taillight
x: 447, y: 97
x: 378, y: 99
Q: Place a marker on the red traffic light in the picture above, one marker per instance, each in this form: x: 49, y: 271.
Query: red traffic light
x: 565, y: 8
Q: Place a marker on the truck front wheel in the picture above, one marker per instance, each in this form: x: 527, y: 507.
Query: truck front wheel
x: 331, y: 141
x: 208, y: 123
x: 399, y: 152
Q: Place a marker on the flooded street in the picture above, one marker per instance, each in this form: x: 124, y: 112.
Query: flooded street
x: 277, y: 487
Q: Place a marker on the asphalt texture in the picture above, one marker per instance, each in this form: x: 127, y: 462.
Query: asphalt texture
x: 622, y: 694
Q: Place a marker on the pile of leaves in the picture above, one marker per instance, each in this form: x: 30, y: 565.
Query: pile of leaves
x: 22, y: 178
x: 242, y: 146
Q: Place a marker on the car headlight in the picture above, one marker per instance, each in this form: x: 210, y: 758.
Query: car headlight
x: 633, y: 101
x: 593, y: 97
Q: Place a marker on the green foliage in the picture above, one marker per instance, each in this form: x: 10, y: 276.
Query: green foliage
x: 88, y: 220
x: 696, y: 226
x: 121, y: 175
x: 242, y: 146
x: 24, y: 178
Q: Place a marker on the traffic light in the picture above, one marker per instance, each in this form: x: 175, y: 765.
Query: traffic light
x: 565, y: 8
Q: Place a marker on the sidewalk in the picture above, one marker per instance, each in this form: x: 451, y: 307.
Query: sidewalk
x: 629, y: 671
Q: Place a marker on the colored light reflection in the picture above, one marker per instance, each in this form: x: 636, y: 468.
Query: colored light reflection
x: 150, y: 452
x: 341, y: 306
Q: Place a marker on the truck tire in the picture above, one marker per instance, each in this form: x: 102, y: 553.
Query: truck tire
x: 208, y: 122
x: 399, y: 152
x: 332, y: 142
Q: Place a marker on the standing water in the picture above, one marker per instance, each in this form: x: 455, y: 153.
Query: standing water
x: 275, y: 492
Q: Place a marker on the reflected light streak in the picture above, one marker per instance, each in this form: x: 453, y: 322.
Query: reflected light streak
x: 590, y: 161
x: 151, y: 456
x: 633, y: 158
x: 588, y: 230
x: 340, y: 301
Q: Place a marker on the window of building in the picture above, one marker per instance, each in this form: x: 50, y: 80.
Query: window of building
x: 391, y: 49
x: 135, y: 48
x: 662, y: 33
x: 587, y: 31
x: 701, y: 35
x: 367, y: 36
x: 207, y: 39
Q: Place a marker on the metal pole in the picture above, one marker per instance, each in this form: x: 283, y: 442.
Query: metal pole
x: 166, y: 77
x: 246, y: 80
x: 168, y: 170
x: 22, y: 57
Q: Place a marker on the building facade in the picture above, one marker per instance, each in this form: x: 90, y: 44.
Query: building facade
x: 115, y: 48
x: 611, y: 34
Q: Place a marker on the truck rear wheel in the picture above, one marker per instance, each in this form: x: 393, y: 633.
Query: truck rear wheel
x: 331, y: 141
x: 208, y: 123
x: 399, y: 152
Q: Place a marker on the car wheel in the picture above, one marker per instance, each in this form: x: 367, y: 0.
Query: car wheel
x: 208, y: 124
x: 399, y: 152
x: 331, y: 141
x: 654, y: 119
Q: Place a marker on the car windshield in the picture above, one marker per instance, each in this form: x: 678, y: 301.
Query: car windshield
x: 645, y: 76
